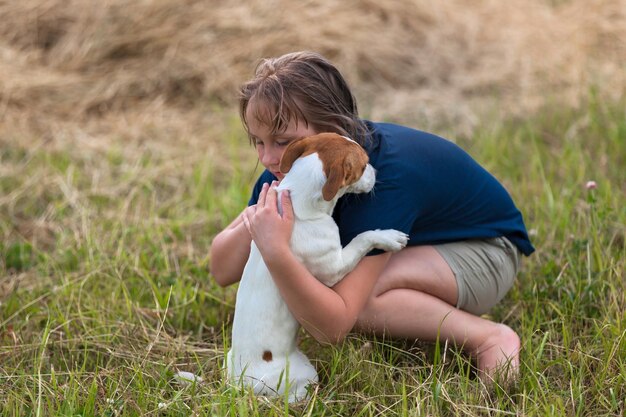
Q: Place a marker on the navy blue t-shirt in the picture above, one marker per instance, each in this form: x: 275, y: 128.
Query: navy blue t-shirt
x: 429, y: 188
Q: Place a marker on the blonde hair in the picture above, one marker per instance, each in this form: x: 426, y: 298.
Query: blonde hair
x: 306, y: 87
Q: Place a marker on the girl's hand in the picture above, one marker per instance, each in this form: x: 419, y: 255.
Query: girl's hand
x: 270, y: 231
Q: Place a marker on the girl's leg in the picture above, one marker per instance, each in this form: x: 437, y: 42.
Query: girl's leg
x: 415, y: 297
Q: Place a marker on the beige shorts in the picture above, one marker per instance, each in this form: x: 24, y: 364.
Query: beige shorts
x: 484, y: 269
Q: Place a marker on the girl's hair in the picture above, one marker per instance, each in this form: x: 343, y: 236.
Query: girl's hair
x: 304, y: 86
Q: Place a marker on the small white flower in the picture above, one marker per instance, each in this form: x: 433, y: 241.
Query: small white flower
x: 591, y: 185
x: 162, y: 406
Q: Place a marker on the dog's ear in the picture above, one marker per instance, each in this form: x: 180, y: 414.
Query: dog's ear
x: 335, y: 179
x: 337, y: 175
x: 292, y: 152
x: 344, y: 172
x: 354, y: 165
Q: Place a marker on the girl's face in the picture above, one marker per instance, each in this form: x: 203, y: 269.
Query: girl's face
x: 270, y: 147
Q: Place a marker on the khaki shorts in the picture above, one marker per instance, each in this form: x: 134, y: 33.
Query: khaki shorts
x: 484, y: 269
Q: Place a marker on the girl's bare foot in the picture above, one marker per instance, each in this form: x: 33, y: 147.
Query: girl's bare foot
x: 498, y: 356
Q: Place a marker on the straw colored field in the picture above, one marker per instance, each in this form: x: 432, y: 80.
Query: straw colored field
x: 431, y: 61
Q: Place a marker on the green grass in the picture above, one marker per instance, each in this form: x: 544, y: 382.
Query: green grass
x: 104, y: 290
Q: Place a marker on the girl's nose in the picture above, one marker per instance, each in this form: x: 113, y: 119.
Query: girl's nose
x: 271, y: 157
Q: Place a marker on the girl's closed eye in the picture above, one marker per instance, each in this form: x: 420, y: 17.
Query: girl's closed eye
x: 286, y: 141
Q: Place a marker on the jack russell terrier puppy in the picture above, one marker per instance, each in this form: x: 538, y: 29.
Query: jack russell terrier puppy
x: 320, y: 169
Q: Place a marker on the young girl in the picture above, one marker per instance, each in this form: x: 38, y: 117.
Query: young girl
x: 466, y: 235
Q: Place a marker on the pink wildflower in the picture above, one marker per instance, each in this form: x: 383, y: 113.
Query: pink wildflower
x: 591, y: 185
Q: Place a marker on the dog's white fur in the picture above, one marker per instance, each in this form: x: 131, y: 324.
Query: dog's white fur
x: 263, y: 353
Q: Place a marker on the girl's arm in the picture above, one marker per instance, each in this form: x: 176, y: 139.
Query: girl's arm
x: 230, y: 250
x: 327, y: 313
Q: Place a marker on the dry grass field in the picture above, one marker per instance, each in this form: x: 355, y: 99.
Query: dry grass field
x: 121, y: 156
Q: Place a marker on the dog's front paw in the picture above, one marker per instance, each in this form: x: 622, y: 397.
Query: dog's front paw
x: 389, y: 240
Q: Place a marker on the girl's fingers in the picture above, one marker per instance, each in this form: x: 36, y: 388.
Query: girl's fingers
x: 263, y: 195
x: 270, y: 199
x: 287, y: 206
x: 246, y: 221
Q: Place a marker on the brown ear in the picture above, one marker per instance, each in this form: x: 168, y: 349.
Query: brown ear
x: 292, y: 152
x: 353, y: 166
x: 332, y: 186
x: 335, y: 179
x: 344, y: 172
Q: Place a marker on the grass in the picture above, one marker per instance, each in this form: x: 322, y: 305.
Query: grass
x: 104, y: 290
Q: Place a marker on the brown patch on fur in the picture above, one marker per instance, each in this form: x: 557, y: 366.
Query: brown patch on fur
x: 267, y: 356
x: 344, y: 161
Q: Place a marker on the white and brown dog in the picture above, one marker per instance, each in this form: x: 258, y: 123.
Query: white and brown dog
x: 320, y: 169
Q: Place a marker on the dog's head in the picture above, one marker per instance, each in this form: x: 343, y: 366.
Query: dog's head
x: 343, y: 160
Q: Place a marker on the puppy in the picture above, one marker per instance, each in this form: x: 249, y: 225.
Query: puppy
x: 320, y: 169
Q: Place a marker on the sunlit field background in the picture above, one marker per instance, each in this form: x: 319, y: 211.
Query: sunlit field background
x: 122, y: 155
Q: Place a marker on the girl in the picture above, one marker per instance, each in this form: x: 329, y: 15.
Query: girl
x: 466, y: 235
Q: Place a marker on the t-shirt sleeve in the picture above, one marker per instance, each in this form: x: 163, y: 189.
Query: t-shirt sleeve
x: 266, y: 177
